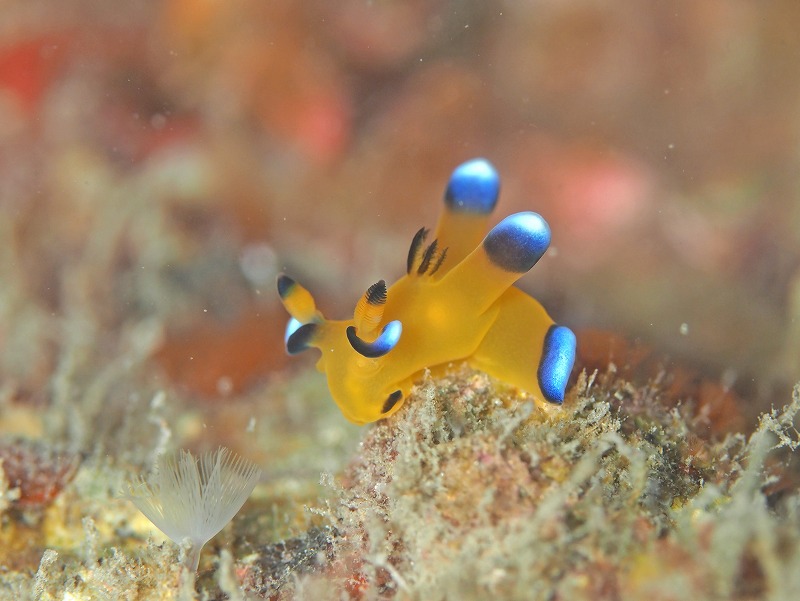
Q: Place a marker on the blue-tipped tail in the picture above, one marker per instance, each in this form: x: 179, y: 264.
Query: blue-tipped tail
x: 558, y: 357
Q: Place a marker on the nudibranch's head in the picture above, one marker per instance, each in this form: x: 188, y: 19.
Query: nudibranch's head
x: 456, y: 302
x: 354, y: 353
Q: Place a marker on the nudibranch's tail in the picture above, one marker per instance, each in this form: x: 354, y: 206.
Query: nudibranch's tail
x: 508, y: 251
x: 558, y: 357
x: 470, y: 198
x: 303, y: 328
x: 525, y: 348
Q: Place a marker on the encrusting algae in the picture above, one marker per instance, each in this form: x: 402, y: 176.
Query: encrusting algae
x: 470, y: 492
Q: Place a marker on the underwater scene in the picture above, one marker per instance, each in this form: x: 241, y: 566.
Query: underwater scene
x: 399, y: 300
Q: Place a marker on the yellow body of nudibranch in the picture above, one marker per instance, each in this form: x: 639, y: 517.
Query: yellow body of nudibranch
x: 457, y: 302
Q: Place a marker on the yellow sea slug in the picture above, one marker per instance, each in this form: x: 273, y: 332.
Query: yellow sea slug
x: 457, y: 302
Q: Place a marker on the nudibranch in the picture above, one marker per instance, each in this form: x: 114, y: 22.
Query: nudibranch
x: 456, y: 302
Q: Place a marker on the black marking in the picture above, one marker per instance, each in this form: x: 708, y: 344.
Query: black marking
x: 385, y: 342
x: 301, y: 338
x: 391, y: 401
x: 285, y: 285
x: 376, y: 294
x: 413, y: 251
x: 427, y: 257
x: 439, y: 261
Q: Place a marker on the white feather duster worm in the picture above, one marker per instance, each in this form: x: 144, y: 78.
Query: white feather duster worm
x: 194, y: 498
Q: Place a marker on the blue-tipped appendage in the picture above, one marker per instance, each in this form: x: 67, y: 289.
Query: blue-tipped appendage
x: 473, y: 188
x: 388, y: 339
x: 518, y: 242
x: 558, y: 357
x: 291, y: 327
x: 301, y: 339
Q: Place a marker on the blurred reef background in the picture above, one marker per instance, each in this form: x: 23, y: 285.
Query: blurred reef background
x: 162, y: 161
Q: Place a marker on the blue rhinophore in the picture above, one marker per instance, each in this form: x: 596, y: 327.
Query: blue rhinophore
x: 558, y: 356
x: 518, y: 242
x: 473, y: 188
x: 388, y: 339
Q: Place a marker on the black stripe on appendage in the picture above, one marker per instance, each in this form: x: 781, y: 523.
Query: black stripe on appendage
x: 428, y: 257
x: 413, y: 250
x: 376, y: 294
x: 439, y: 261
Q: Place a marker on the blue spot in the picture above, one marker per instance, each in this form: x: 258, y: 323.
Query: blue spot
x: 518, y: 242
x: 558, y: 356
x: 390, y: 336
x: 473, y: 188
